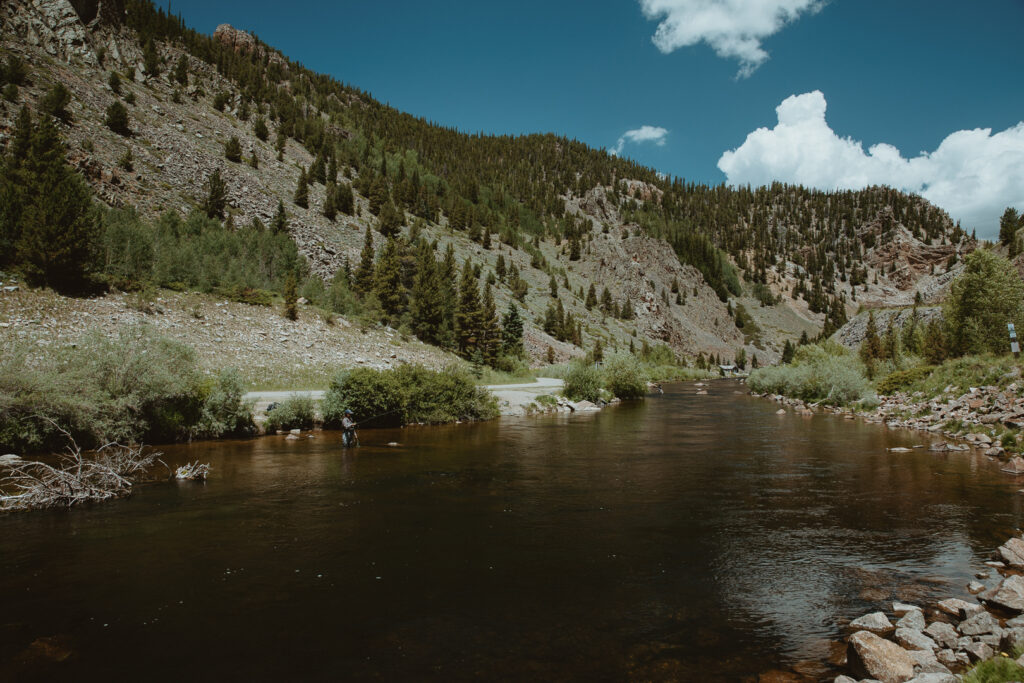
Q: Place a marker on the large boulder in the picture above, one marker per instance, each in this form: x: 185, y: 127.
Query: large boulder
x: 913, y: 620
x: 943, y: 634
x: 870, y: 656
x: 911, y: 639
x: 1012, y: 552
x: 959, y: 608
x: 979, y: 624
x: 1009, y: 595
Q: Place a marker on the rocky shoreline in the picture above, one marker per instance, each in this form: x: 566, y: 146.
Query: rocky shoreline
x: 936, y: 645
x: 984, y: 418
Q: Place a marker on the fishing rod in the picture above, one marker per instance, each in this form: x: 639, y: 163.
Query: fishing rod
x: 369, y: 419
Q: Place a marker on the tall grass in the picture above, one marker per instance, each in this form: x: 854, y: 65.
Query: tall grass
x: 137, y: 387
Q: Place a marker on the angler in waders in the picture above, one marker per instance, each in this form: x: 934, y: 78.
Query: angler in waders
x: 348, y: 436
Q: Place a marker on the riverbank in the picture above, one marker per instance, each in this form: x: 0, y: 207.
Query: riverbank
x: 938, y: 644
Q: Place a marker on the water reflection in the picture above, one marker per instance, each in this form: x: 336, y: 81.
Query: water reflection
x: 684, y: 538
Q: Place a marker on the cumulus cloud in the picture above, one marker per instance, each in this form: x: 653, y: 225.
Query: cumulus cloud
x: 973, y: 174
x: 655, y: 134
x: 733, y: 28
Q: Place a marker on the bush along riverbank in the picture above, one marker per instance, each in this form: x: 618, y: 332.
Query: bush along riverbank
x: 954, y: 640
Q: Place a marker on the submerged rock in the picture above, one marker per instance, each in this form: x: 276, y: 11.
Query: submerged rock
x: 1012, y: 552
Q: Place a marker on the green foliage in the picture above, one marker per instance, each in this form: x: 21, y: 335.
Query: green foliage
x: 114, y: 81
x: 220, y: 100
x: 259, y: 129
x: 406, y: 394
x: 291, y: 297
x: 903, y: 379
x: 48, y: 225
x: 298, y: 411
x: 233, y: 149
x: 117, y: 119
x: 216, y: 195
x: 181, y: 70
x: 995, y: 670
x: 137, y: 387
x: 1009, y: 224
x: 987, y: 295
x: 824, y: 372
x: 55, y: 102
x: 583, y: 381
x: 624, y: 376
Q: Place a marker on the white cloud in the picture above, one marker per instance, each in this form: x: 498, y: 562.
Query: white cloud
x: 733, y: 28
x: 973, y: 174
x: 655, y: 134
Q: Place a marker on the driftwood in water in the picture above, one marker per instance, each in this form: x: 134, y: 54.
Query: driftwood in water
x: 75, y: 479
x: 193, y: 471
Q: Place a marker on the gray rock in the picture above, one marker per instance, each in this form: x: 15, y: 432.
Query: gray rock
x: 978, y: 624
x: 844, y: 679
x: 1009, y: 595
x: 876, y: 622
x: 869, y: 656
x: 942, y: 633
x: 960, y: 608
x: 946, y: 657
x: 1013, y: 637
x: 975, y: 587
x: 901, y: 608
x: 991, y: 639
x: 912, y: 639
x: 1012, y: 552
x: 979, y: 652
x: 926, y: 662
x: 935, y: 678
x: 1016, y: 622
x: 912, y: 620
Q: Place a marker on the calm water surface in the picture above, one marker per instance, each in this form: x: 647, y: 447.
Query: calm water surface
x: 694, y: 538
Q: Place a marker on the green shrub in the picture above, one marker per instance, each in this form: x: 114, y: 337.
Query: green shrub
x: 406, y: 394
x: 224, y: 412
x: 996, y: 670
x: 583, y: 381
x: 624, y: 376
x: 117, y: 119
x: 295, y: 412
x: 902, y: 379
x: 825, y: 372
x: 137, y: 387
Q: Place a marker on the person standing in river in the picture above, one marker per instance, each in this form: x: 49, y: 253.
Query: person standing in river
x: 349, y: 427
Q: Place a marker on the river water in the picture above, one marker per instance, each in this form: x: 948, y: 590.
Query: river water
x: 685, y: 537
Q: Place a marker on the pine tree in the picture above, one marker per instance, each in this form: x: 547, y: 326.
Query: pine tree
x: 150, y: 60
x: 467, y: 313
x: 181, y: 72
x: 512, y: 332
x: 279, y: 223
x: 550, y: 355
x: 425, y: 300
x: 291, y: 297
x: 486, y: 242
x: 114, y: 81
x: 389, y: 222
x: 254, y: 160
x: 490, y: 332
x: 387, y: 281
x: 499, y: 267
x: 606, y: 301
x: 597, y: 355
x: 871, y: 346
x: 55, y: 102
x: 330, y: 208
x: 591, y: 297
x: 363, y: 283
x: 216, y: 196
x: 117, y: 119
x: 345, y: 200
x: 553, y: 286
x: 301, y: 197
x: 50, y: 220
x: 1009, y: 223
x: 233, y: 149
x: 627, y: 310
x: 787, y: 352
x: 259, y: 129
x: 379, y: 195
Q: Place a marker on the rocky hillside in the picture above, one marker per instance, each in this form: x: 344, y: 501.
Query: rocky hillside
x: 584, y: 219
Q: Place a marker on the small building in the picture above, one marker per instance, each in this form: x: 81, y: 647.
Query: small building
x: 728, y: 370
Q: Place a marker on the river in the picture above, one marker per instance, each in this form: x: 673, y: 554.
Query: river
x: 684, y: 537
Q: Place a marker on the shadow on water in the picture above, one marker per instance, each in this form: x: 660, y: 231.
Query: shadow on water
x: 695, y: 538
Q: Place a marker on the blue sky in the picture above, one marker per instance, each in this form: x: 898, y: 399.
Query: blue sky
x: 905, y: 74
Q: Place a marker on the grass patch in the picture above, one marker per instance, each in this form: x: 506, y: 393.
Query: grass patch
x: 970, y: 371
x: 996, y: 670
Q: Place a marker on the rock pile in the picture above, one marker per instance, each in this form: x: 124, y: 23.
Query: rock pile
x: 957, y: 634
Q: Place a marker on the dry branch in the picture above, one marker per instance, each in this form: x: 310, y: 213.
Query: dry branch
x: 76, y: 479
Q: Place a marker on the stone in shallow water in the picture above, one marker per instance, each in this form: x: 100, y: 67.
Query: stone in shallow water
x: 1012, y: 552
x: 901, y: 608
x: 872, y: 657
x: 876, y: 622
